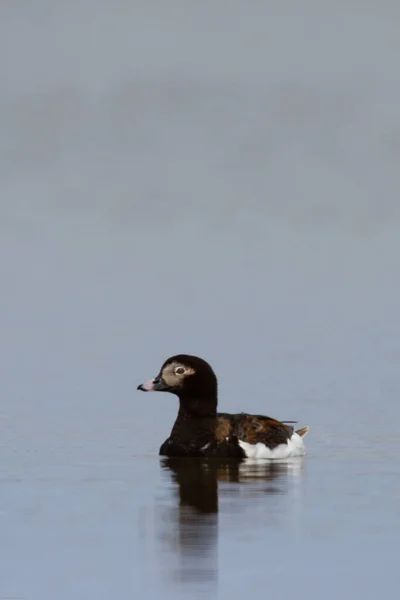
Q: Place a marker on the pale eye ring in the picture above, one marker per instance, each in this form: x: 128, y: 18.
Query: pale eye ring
x: 179, y: 371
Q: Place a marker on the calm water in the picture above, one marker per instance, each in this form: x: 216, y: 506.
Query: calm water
x: 216, y: 178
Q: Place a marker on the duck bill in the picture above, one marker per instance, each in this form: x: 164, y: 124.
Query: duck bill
x: 147, y: 386
x: 154, y: 385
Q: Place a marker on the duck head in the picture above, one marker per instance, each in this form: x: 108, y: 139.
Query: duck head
x: 185, y: 376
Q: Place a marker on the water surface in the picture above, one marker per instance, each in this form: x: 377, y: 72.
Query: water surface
x: 211, y: 178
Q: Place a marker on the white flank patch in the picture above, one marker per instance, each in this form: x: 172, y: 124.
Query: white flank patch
x: 293, y: 447
x: 297, y: 445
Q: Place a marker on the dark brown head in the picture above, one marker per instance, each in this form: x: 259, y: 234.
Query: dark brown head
x: 186, y: 376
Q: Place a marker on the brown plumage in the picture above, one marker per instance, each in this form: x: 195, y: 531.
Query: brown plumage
x: 200, y: 431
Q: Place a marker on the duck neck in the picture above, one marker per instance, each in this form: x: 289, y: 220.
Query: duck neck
x: 195, y: 423
x: 196, y: 407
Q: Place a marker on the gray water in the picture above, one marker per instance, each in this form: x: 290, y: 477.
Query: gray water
x: 217, y: 178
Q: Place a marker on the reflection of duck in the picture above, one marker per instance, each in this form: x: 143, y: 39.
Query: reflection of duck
x: 199, y: 431
x: 197, y: 482
x: 192, y: 526
x: 198, y: 479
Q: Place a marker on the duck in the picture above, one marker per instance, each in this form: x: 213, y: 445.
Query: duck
x: 200, y: 431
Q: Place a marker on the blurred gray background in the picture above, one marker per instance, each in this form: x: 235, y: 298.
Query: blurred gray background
x: 216, y: 178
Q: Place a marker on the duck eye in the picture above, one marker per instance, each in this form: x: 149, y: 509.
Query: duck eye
x: 179, y: 371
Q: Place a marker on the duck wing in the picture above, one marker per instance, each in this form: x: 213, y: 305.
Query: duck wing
x: 253, y: 429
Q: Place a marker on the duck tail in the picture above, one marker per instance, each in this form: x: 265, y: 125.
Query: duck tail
x: 303, y: 431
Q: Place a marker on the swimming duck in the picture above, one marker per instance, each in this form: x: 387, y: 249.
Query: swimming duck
x: 199, y: 431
